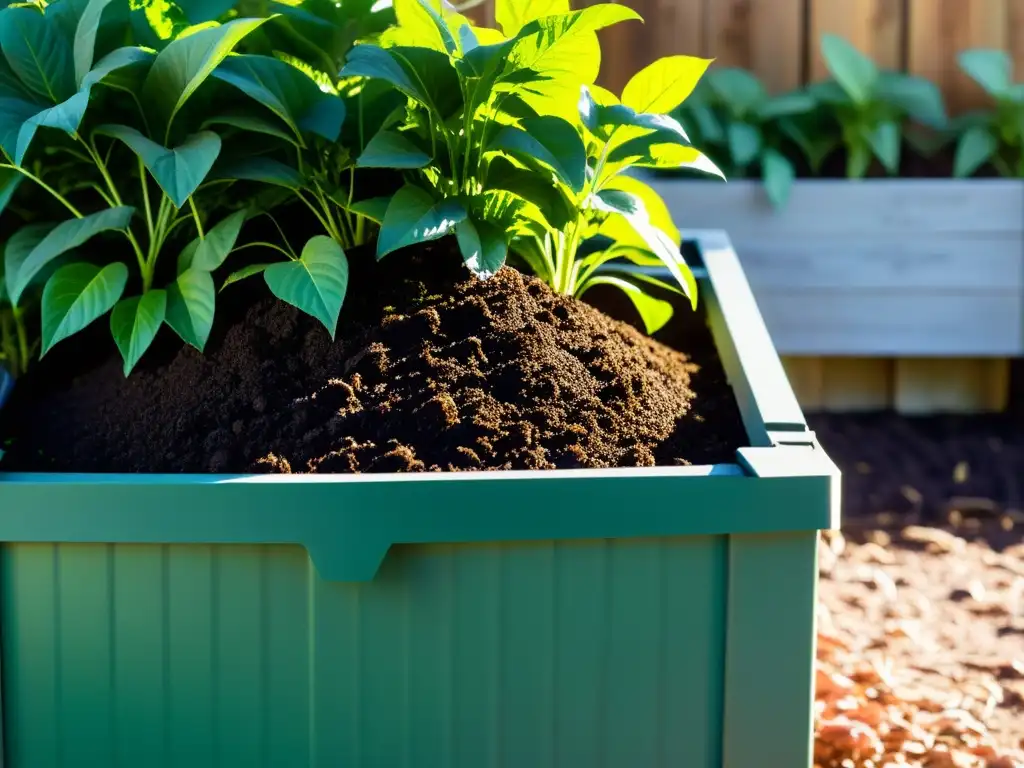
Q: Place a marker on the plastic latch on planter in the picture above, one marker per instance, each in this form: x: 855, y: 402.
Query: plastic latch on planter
x: 806, y: 438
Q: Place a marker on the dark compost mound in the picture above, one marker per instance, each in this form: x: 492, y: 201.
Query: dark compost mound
x: 430, y: 370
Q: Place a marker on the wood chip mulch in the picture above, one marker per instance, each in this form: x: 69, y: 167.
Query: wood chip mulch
x: 920, y: 651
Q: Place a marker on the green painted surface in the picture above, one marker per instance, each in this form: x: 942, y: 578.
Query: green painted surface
x: 588, y: 653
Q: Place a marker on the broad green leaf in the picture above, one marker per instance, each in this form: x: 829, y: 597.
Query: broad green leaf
x: 37, y: 53
x: 483, y: 247
x: 315, y: 283
x: 211, y: 251
x: 181, y: 67
x: 115, y: 61
x: 191, y: 301
x: 76, y: 295
x: 738, y: 90
x: 551, y: 141
x: 368, y: 60
x: 419, y: 23
x: 414, y: 217
x: 885, y: 143
x: 786, y: 105
x: 178, y: 171
x: 134, y: 324
x: 858, y: 160
x: 652, y: 152
x: 261, y: 169
x: 9, y: 182
x: 921, y: 99
x: 708, y: 125
x: 391, y: 149
x: 653, y: 311
x: 252, y: 124
x: 665, y: 84
x: 513, y: 15
x: 854, y: 71
x: 744, y: 142
x: 85, y: 38
x: 244, y: 272
x: 372, y: 208
x: 546, y: 45
x: 542, y: 190
x: 13, y: 114
x: 976, y: 147
x: 778, y: 174
x: 632, y: 209
x: 287, y: 92
x: 32, y: 248
x: 992, y: 70
x: 552, y: 56
x: 831, y: 93
x: 188, y: 253
x: 66, y: 117
x: 657, y: 212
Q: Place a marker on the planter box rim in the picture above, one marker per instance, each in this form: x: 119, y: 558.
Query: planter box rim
x: 348, y: 522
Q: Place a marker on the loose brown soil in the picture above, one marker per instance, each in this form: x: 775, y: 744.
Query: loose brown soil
x: 431, y: 370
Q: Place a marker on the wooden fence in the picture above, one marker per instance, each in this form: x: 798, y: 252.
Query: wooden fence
x: 778, y: 39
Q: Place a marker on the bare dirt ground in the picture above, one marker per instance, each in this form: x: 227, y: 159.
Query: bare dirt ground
x: 921, y: 647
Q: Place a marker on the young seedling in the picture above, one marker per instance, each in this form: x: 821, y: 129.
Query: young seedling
x: 993, y: 136
x: 871, y: 105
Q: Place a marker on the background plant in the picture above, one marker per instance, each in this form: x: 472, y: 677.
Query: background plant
x: 871, y: 106
x: 993, y: 136
x: 741, y: 127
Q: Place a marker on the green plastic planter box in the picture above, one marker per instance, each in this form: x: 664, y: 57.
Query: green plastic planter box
x: 581, y: 619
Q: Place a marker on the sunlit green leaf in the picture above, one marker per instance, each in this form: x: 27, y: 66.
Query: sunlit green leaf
x: 483, y: 247
x: 654, y: 312
x: 551, y: 141
x: 665, y: 84
x: 181, y: 67
x: 414, y: 217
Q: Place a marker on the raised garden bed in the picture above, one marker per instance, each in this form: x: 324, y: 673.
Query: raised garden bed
x: 875, y: 267
x: 567, y: 617
x: 422, y: 504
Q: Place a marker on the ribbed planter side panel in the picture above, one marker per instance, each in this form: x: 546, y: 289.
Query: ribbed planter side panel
x: 590, y: 653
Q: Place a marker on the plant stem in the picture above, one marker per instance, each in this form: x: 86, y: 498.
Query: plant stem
x: 21, y: 364
x: 262, y: 244
x: 29, y: 175
x: 195, y: 215
x: 145, y: 198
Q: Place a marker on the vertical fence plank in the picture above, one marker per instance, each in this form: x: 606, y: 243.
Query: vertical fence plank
x: 875, y: 27
x: 630, y: 46
x: 1015, y: 31
x: 766, y: 36
x: 939, y: 29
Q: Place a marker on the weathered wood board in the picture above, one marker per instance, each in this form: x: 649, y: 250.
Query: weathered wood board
x: 893, y: 268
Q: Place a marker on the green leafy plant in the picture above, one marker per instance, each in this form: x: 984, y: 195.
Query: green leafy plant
x: 47, y: 77
x: 993, y: 136
x: 742, y: 127
x: 871, y: 106
x: 505, y: 144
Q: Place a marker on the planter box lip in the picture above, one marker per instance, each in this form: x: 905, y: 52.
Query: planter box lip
x: 348, y: 522
x: 916, y: 181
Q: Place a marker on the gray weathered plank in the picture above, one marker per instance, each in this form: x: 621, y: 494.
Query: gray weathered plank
x: 827, y: 206
x: 895, y: 323
x: 897, y: 267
